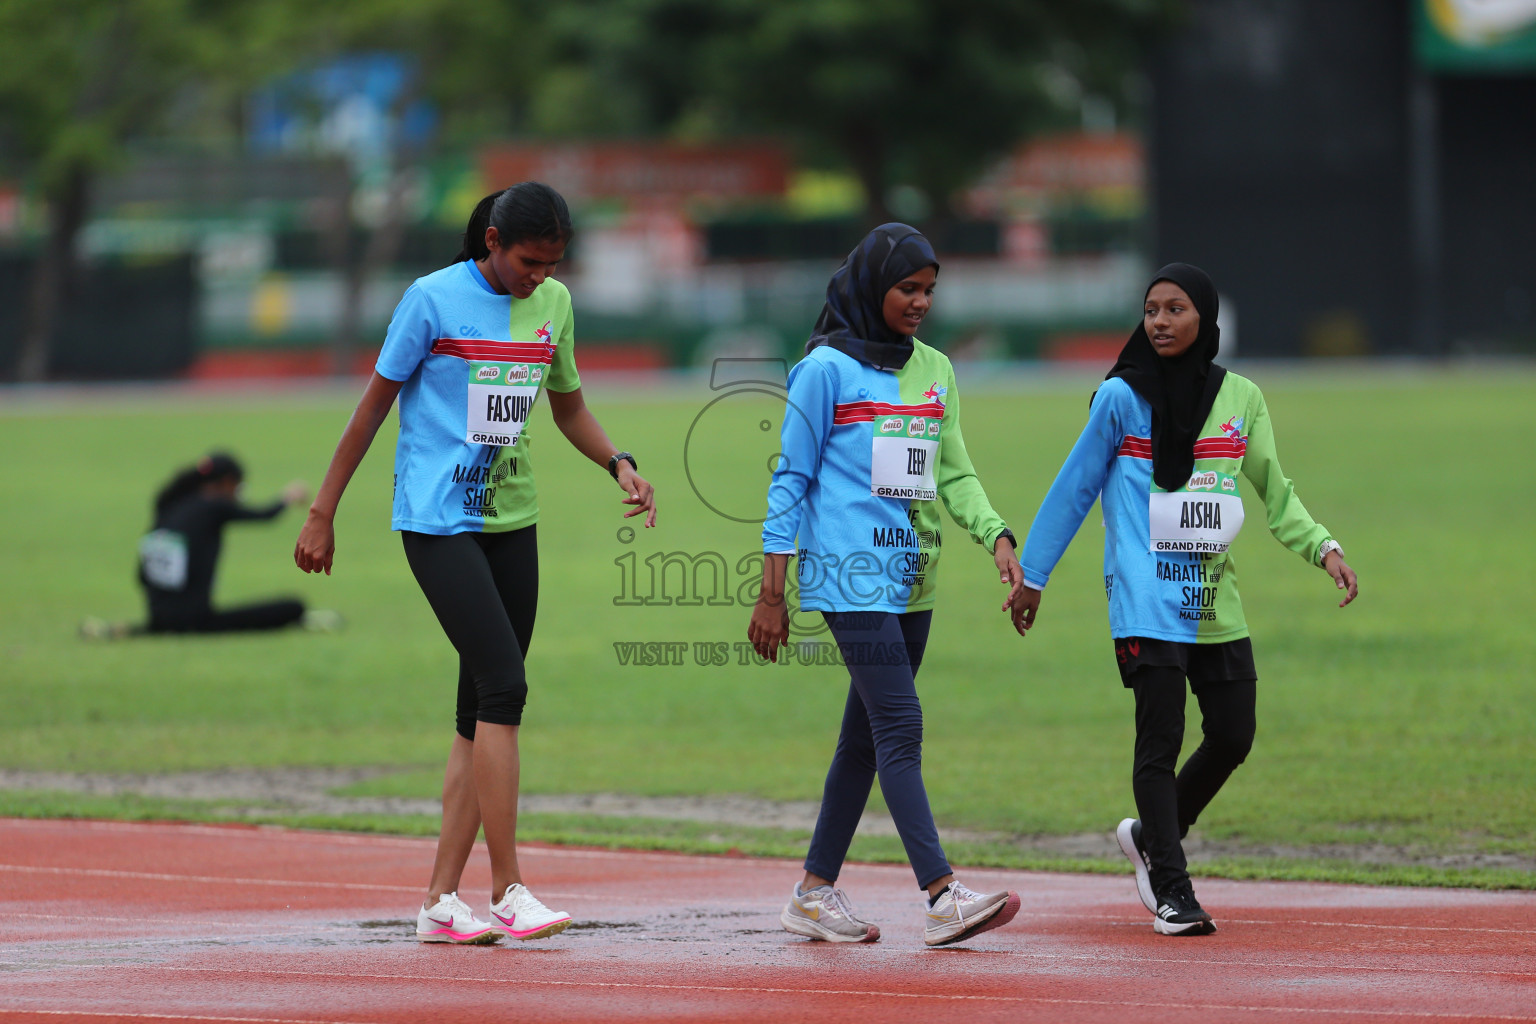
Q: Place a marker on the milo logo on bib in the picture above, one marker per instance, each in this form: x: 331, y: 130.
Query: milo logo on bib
x: 499, y: 401
x: 902, y: 456
x: 1202, y: 517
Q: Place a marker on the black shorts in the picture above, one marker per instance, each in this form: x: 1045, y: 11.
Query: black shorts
x: 1201, y: 663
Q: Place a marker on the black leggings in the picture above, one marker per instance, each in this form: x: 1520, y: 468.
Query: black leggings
x: 179, y: 617
x: 484, y: 589
x: 1168, y: 806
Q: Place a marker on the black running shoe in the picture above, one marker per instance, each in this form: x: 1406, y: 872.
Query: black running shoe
x: 1179, y: 913
x: 1128, y: 835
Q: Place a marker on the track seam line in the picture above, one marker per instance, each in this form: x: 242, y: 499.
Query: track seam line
x: 219, y: 879
x: 65, y: 946
x: 179, y: 1016
x: 1241, y: 964
x: 774, y: 990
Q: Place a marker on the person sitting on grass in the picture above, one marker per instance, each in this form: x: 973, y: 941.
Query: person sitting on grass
x: 178, y: 558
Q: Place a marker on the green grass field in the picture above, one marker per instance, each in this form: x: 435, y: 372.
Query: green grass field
x: 1408, y: 719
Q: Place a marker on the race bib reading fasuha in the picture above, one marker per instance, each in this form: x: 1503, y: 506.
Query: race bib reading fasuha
x: 902, y: 459
x: 1203, y: 516
x: 501, y: 397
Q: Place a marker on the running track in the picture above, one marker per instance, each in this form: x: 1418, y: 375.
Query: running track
x: 114, y: 921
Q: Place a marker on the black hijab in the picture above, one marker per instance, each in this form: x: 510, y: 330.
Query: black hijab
x: 1180, y: 389
x: 853, y: 319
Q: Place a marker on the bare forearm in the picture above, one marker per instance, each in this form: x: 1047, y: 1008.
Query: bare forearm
x: 356, y: 438
x: 775, y: 571
x: 586, y: 435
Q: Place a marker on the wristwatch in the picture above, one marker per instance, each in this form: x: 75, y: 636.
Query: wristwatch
x: 1011, y: 539
x: 613, y: 463
x: 1327, y: 546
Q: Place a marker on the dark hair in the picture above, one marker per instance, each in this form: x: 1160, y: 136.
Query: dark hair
x: 211, y: 467
x: 529, y: 209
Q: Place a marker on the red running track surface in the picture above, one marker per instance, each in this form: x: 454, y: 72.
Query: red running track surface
x: 140, y: 922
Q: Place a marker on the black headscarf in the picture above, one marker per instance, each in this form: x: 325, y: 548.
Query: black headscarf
x: 1180, y: 389
x: 853, y: 320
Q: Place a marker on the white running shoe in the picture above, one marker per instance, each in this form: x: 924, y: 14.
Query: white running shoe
x: 522, y: 916
x: 825, y: 913
x: 960, y: 913
x: 1128, y: 835
x: 451, y: 920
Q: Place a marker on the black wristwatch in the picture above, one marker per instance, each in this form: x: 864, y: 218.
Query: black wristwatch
x: 1011, y: 540
x: 613, y: 463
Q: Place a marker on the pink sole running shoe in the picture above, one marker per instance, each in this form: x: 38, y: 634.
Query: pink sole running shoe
x: 451, y: 920
x: 522, y: 916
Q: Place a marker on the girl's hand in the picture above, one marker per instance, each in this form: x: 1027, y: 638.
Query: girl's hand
x: 1009, y: 572
x: 641, y: 494
x: 769, y: 628
x: 1343, y: 576
x: 316, y: 545
x: 1024, y: 608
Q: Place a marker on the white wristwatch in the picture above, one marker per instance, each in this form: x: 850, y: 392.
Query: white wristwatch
x: 1327, y: 546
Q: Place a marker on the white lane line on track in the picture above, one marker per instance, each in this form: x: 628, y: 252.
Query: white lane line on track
x: 1035, y: 915
x: 1261, y: 965
x: 871, y: 993
x: 281, y: 833
x: 1290, y: 923
x: 221, y: 880
x: 286, y: 834
x: 120, y: 1014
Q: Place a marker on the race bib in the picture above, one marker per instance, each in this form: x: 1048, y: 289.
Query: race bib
x: 1204, y: 516
x: 500, y: 399
x: 902, y: 459
x: 163, y: 557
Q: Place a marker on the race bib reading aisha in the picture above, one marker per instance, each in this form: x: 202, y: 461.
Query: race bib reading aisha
x: 501, y: 397
x: 901, y: 460
x: 1203, y: 516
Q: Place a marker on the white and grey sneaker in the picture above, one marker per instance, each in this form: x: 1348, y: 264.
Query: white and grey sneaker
x: 451, y: 920
x: 1128, y: 835
x: 825, y: 913
x: 960, y: 913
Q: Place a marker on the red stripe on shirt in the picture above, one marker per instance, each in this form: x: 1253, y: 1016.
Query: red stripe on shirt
x: 493, y: 351
x: 1205, y: 448
x: 864, y: 412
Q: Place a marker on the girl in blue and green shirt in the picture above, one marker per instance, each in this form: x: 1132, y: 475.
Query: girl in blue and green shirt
x: 871, y: 445
x: 1172, y: 441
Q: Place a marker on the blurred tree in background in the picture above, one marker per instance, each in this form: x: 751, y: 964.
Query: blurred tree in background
x: 897, y: 92
x: 79, y: 80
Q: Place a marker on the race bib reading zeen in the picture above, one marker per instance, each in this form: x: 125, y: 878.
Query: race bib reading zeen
x: 500, y: 399
x: 901, y: 460
x: 1205, y: 516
